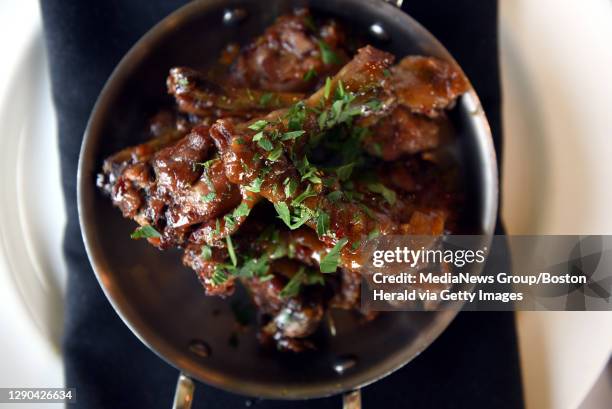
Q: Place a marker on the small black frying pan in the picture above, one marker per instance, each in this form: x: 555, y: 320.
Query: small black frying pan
x: 162, y: 302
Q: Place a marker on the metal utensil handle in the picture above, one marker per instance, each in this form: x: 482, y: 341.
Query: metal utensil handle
x: 397, y: 3
x: 183, y: 395
x: 352, y: 400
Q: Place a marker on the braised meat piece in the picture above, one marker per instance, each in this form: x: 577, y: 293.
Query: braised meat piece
x: 282, y: 162
x: 427, y: 85
x: 196, y: 94
x: 292, y: 55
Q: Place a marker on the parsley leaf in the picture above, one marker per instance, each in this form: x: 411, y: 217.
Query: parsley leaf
x: 373, y: 234
x: 209, y: 197
x: 145, y: 232
x: 301, y: 216
x: 328, y: 56
x: 381, y: 189
x: 292, y: 288
x: 265, y: 99
x: 275, y: 154
x: 308, y: 192
x: 206, y: 253
x: 334, y: 196
x: 327, y: 89
x: 219, y: 275
x: 242, y: 210
x: 255, y: 185
x: 290, y: 187
x: 258, y: 125
x: 283, y: 212
x: 322, y: 223
x: 329, y: 263
x: 310, y: 74
x: 344, y: 172
x: 265, y: 144
x: 230, y: 250
x: 292, y: 135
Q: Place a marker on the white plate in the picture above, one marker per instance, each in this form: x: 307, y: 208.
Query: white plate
x: 32, y: 215
x: 557, y: 162
x: 556, y: 59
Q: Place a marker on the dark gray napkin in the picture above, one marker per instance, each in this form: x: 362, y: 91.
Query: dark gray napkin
x: 474, y: 364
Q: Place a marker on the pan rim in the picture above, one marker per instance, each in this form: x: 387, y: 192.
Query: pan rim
x: 156, y: 343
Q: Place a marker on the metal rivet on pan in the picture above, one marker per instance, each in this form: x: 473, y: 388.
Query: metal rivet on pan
x: 234, y: 16
x: 379, y: 32
x: 200, y: 348
x: 344, y: 363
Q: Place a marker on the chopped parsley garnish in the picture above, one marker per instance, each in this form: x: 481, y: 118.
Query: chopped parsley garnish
x: 253, y: 267
x: 327, y: 89
x: 283, y: 212
x: 255, y: 185
x: 219, y: 275
x: 329, y: 263
x: 275, y: 154
x: 322, y: 223
x: 373, y: 234
x: 290, y: 187
x: 308, y: 192
x: 344, y: 172
x: 301, y: 215
x: 296, y: 116
x: 328, y: 56
x: 183, y: 82
x: 242, y: 210
x: 206, y: 253
x: 145, y: 232
x: 334, y: 196
x: 302, y: 276
x: 381, y: 189
x: 208, y: 181
x: 258, y: 125
x: 265, y: 144
x: 292, y: 135
x: 265, y: 99
x: 292, y: 288
x: 208, y: 197
x: 340, y: 90
x: 307, y: 170
x: 230, y: 221
x: 230, y: 250
x: 310, y: 74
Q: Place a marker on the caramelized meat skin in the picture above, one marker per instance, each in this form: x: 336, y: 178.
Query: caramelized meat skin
x: 402, y: 133
x: 195, y: 94
x: 280, y: 59
x: 215, y: 178
x: 427, y: 85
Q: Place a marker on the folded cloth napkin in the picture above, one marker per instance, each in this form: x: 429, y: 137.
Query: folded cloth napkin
x: 474, y: 364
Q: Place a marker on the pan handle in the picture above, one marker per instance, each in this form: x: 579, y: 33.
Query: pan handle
x: 352, y: 400
x: 183, y: 395
x: 397, y: 3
